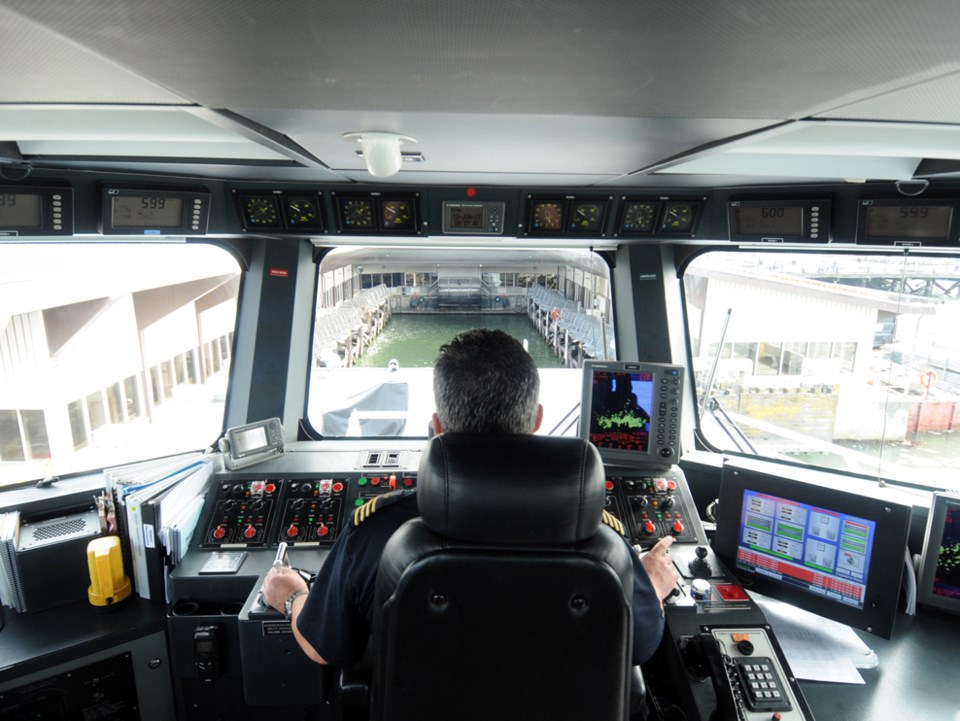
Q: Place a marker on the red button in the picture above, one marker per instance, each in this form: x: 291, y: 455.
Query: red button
x: 293, y: 531
x: 375, y: 481
x: 678, y: 527
x: 323, y: 531
x: 408, y: 482
x: 250, y: 532
x: 220, y: 532
x: 270, y: 488
x: 609, y: 485
x: 337, y: 487
x: 672, y: 485
x: 648, y: 527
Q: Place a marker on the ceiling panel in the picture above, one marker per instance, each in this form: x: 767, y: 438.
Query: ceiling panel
x: 620, y: 58
x: 497, y: 144
x: 40, y: 65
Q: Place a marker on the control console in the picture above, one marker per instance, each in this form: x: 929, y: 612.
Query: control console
x: 654, y: 504
x: 298, y: 510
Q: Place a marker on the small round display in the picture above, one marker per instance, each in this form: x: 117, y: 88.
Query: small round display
x: 396, y: 215
x: 638, y: 217
x: 586, y: 217
x: 357, y: 213
x: 302, y: 213
x: 547, y: 216
x: 261, y: 211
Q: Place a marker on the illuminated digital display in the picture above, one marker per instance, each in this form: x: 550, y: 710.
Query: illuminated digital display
x: 930, y: 222
x: 473, y: 218
x: 20, y: 210
x: 466, y: 217
x: 147, y: 211
x: 773, y: 220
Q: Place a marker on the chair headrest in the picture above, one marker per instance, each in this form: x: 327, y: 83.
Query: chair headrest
x: 511, y: 490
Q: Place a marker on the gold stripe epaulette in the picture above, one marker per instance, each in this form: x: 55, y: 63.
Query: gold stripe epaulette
x: 614, y: 522
x: 370, y: 507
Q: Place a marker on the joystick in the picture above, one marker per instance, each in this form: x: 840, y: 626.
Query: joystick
x: 699, y: 565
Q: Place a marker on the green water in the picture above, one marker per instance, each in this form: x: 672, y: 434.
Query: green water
x: 414, y: 339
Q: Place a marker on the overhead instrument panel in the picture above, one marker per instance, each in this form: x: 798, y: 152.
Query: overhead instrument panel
x: 378, y: 213
x: 779, y: 221
x: 35, y: 210
x: 280, y: 210
x: 653, y: 216
x: 567, y: 215
x: 153, y: 211
x: 902, y: 222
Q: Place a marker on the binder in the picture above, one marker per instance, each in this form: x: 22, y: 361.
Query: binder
x: 134, y: 486
x: 156, y: 513
x: 11, y: 583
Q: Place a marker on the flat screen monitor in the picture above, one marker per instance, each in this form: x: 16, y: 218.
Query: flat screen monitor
x: 939, y: 581
x: 791, y: 534
x: 631, y: 411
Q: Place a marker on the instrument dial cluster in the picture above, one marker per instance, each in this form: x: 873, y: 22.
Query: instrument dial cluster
x: 376, y: 213
x: 658, y: 216
x: 567, y: 215
x: 280, y: 210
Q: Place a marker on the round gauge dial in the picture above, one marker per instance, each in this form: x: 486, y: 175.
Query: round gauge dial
x: 677, y: 218
x: 396, y: 215
x: 638, y: 217
x: 356, y: 213
x: 302, y: 213
x: 260, y: 211
x: 586, y: 217
x: 547, y: 216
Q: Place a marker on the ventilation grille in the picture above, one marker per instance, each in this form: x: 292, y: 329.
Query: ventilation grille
x: 58, y: 530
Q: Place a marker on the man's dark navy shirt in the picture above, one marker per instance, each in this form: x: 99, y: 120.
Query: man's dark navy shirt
x: 338, y: 614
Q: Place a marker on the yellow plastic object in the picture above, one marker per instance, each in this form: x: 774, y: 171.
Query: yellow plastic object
x: 108, y: 585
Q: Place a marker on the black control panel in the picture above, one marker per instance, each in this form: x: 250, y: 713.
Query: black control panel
x: 654, y: 504
x: 298, y: 510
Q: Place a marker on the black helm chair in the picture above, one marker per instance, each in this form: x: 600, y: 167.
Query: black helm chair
x: 507, y: 598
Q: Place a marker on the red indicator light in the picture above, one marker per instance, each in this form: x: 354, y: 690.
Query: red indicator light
x: 471, y: 192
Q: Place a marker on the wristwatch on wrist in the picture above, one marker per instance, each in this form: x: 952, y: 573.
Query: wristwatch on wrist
x: 288, y: 604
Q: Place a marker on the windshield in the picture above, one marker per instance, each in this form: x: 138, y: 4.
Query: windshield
x: 111, y: 353
x: 843, y: 360
x: 382, y: 316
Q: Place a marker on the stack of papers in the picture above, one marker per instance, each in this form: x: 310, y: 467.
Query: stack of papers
x: 817, y: 648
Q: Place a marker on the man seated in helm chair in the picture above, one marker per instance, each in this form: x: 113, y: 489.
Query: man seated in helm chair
x: 484, y: 382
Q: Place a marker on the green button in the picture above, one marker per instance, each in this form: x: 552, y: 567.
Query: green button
x: 359, y: 502
x: 362, y: 481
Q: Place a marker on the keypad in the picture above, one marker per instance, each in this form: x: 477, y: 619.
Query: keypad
x: 761, y: 684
